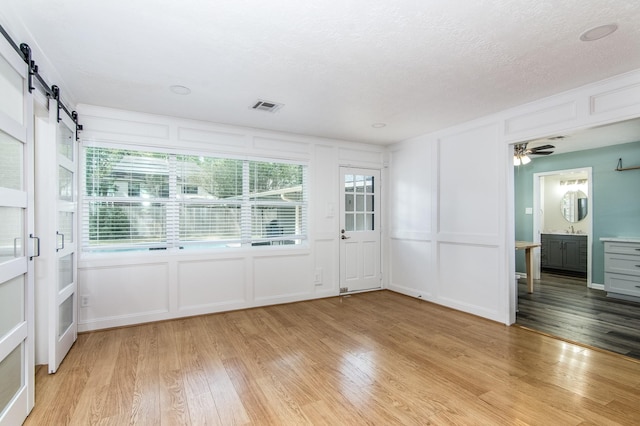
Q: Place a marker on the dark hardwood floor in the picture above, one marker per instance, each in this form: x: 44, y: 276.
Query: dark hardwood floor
x: 565, y: 307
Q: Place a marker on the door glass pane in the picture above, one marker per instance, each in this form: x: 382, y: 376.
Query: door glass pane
x: 10, y: 161
x: 348, y: 223
x: 369, y: 184
x: 11, y: 244
x: 369, y: 223
x: 65, y: 315
x: 369, y: 203
x: 348, y: 183
x: 65, y: 222
x: 11, y: 101
x: 11, y: 313
x: 359, y: 222
x: 65, y: 184
x: 359, y: 183
x: 65, y: 271
x: 65, y: 142
x: 359, y: 203
x: 348, y: 202
x: 11, y: 369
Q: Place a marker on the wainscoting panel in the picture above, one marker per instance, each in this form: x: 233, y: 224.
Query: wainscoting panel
x: 471, y: 166
x: 118, y: 293
x: 280, y: 278
x: 469, y: 279
x: 211, y: 283
x: 412, y: 270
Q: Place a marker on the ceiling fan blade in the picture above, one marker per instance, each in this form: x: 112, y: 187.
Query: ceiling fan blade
x: 541, y: 148
x: 541, y: 153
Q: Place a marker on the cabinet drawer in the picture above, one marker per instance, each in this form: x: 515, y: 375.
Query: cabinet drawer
x: 622, y: 248
x: 622, y: 264
x: 622, y: 284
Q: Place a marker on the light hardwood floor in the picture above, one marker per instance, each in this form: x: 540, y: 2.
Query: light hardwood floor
x: 374, y: 358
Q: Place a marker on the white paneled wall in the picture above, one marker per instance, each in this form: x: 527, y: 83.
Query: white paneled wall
x: 451, y: 196
x: 140, y: 287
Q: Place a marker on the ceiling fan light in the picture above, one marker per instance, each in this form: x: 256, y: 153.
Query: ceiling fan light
x: 516, y: 160
x: 525, y: 159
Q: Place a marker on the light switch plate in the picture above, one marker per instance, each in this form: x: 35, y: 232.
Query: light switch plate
x: 528, y: 210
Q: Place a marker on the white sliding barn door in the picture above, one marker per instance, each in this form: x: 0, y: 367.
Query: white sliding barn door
x: 16, y: 250
x: 60, y: 230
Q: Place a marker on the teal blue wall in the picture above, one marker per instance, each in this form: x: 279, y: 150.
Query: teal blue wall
x: 616, y: 196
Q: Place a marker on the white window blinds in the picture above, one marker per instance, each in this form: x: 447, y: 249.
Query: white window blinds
x: 150, y: 200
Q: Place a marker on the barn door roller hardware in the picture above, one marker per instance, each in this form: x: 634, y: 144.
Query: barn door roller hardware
x: 52, y: 92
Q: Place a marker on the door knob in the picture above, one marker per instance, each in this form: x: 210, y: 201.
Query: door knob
x: 344, y: 237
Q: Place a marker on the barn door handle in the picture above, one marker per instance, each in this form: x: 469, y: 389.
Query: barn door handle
x: 62, y: 235
x: 37, y: 246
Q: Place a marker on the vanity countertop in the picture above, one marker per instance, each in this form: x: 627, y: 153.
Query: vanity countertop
x: 621, y: 239
x: 563, y: 233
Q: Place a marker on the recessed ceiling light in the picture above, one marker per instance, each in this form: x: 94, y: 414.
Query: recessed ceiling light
x: 378, y: 125
x: 180, y: 90
x: 598, y: 32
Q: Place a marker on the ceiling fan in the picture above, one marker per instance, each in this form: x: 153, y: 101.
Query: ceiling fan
x: 521, y: 153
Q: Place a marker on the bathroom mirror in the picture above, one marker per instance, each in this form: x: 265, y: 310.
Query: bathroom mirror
x: 574, y: 206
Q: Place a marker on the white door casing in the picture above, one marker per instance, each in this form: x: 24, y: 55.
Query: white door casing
x: 360, y: 236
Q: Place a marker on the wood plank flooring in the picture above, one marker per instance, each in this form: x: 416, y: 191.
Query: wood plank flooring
x: 565, y: 307
x: 373, y: 358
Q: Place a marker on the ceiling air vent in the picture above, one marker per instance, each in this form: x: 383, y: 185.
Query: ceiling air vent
x: 261, y: 105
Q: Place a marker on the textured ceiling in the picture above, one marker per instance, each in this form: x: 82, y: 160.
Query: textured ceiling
x: 338, y: 66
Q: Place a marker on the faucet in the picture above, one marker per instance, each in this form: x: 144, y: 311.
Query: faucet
x: 572, y: 231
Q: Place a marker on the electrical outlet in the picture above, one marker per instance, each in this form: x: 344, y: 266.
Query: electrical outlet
x: 84, y: 301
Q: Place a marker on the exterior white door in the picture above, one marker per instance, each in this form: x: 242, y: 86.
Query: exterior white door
x: 359, y: 230
x: 16, y: 250
x: 63, y: 301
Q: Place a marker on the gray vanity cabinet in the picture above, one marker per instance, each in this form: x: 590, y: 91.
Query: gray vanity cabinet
x: 564, y: 254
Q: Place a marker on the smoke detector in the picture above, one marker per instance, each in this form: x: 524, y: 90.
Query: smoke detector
x: 268, y: 106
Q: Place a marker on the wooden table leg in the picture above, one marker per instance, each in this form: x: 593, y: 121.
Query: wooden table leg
x: 529, y: 260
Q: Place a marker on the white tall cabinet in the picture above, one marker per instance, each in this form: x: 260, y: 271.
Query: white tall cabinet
x: 622, y: 267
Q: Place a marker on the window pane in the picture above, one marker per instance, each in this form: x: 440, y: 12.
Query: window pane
x: 65, y: 315
x: 11, y: 101
x: 276, y: 222
x: 11, y: 371
x: 10, y: 162
x: 123, y: 173
x: 65, y: 141
x: 275, y: 181
x: 11, y: 244
x: 201, y: 177
x: 118, y: 223
x: 210, y: 223
x: 359, y: 203
x: 12, y: 313
x: 65, y: 271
